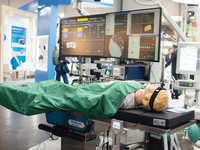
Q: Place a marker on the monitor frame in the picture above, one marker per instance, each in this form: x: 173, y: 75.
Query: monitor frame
x: 60, y: 36
x: 159, y: 34
x: 178, y: 70
x: 104, y: 55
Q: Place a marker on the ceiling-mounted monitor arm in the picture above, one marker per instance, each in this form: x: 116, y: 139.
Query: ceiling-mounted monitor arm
x: 80, y: 9
x: 167, y: 17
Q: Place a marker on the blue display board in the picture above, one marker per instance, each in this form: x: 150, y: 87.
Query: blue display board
x: 53, y: 2
x: 18, y: 46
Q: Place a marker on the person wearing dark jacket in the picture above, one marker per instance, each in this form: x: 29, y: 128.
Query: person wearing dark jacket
x: 169, y: 55
x: 173, y: 61
x: 62, y: 70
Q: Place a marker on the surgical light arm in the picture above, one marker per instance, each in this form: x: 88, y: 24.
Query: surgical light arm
x: 80, y: 9
x: 167, y: 17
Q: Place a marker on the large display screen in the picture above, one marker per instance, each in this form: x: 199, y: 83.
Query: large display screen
x: 188, y: 58
x: 82, y: 36
x: 133, y: 34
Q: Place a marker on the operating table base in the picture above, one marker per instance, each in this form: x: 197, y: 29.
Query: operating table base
x: 71, y: 144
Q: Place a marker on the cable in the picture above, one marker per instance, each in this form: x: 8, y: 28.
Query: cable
x: 103, y: 146
x: 103, y: 141
x: 108, y: 138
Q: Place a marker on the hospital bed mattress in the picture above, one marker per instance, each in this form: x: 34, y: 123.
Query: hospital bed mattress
x: 166, y: 119
x: 130, y: 115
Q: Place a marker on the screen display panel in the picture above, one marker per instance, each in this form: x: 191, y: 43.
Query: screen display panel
x: 133, y: 34
x: 82, y: 36
x: 188, y: 58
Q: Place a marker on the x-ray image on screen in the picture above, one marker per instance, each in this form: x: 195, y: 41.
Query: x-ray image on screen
x: 133, y: 34
x: 116, y: 39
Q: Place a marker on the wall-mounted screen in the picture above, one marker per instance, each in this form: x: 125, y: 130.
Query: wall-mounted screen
x: 82, y: 36
x: 188, y: 58
x: 133, y: 34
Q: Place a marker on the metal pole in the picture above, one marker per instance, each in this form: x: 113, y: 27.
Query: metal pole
x: 162, y: 72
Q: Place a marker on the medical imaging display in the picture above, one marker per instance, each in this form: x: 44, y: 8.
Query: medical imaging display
x: 82, y: 36
x: 133, y: 34
x: 188, y: 58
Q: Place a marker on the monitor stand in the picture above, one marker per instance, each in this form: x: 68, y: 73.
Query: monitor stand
x: 196, y: 107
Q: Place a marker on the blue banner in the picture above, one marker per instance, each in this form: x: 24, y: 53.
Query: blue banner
x: 18, y: 45
x: 53, y: 2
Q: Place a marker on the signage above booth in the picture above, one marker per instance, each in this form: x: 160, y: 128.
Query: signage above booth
x: 53, y: 2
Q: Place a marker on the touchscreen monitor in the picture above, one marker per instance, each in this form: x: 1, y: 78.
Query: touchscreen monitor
x: 82, y: 36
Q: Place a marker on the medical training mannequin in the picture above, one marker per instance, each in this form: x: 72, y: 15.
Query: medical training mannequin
x: 142, y: 96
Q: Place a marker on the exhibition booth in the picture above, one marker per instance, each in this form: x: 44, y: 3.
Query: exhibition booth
x: 129, y: 46
x: 18, y: 42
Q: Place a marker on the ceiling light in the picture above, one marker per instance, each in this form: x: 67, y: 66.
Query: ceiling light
x: 62, y: 15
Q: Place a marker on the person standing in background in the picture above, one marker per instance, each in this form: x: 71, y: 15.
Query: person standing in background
x: 169, y: 55
x: 62, y: 69
x: 173, y: 60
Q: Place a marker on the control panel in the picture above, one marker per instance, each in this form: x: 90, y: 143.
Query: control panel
x: 186, y: 84
x: 117, y: 127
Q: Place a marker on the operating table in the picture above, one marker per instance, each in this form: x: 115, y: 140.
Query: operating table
x: 78, y: 131
x: 82, y: 111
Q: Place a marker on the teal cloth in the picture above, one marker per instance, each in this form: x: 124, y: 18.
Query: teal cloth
x: 193, y: 133
x: 97, y: 99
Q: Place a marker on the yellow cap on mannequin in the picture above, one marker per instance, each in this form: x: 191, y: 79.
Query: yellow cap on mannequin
x: 160, y: 102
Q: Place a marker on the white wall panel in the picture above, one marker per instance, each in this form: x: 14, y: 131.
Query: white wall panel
x: 14, y: 3
x: 4, y: 2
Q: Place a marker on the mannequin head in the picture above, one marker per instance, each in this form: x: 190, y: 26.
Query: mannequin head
x: 161, y: 100
x: 138, y: 97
